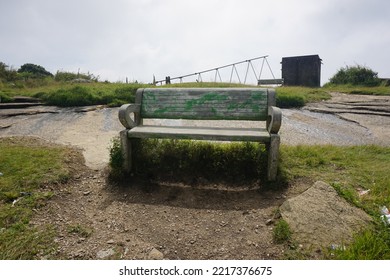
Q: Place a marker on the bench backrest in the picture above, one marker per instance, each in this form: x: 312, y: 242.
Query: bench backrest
x: 205, y: 103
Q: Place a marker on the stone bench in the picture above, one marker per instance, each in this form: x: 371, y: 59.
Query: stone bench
x: 222, y: 104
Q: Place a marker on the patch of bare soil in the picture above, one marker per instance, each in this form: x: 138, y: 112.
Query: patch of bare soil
x: 149, y: 220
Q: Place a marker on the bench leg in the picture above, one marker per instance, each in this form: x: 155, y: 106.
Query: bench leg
x: 126, y: 150
x: 273, y: 157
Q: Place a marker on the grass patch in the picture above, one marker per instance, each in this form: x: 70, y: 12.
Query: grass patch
x: 95, y: 94
x: 4, y: 97
x: 68, y: 94
x: 281, y: 232
x: 378, y: 90
x: 296, y: 97
x: 22, y: 242
x: 367, y: 245
x: 197, y: 159
x: 178, y: 160
x: 26, y: 170
x: 348, y: 169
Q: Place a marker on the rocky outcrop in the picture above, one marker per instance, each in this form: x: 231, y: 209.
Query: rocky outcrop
x: 319, y: 217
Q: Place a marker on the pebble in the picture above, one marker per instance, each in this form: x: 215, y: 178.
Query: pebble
x: 155, y: 255
x: 103, y: 254
x: 78, y: 254
x: 269, y: 222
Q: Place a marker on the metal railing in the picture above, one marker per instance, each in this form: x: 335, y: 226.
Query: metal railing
x: 234, y: 73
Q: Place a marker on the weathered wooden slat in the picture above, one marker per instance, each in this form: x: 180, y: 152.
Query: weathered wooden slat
x: 205, y: 103
x: 200, y: 133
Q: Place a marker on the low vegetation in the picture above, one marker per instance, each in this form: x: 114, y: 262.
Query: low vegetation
x: 364, y: 90
x: 190, y: 160
x: 281, y: 232
x: 367, y: 245
x: 296, y: 97
x: 26, y: 173
x: 94, y: 94
x: 358, y: 80
x: 355, y: 75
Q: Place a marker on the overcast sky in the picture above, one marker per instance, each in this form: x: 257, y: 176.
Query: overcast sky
x: 137, y: 39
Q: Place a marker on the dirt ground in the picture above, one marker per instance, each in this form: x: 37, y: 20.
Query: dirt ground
x: 154, y: 220
x: 145, y: 220
x: 96, y: 219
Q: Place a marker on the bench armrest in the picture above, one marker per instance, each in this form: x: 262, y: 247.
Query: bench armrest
x: 274, y: 119
x: 124, y: 115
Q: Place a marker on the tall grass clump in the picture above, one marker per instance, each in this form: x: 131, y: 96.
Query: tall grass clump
x: 4, y: 97
x: 281, y: 232
x: 75, y: 96
x: 178, y: 160
x: 89, y: 94
x: 64, y: 76
x: 296, y: 97
x: 116, y: 159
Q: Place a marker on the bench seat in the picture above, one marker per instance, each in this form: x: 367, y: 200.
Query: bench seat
x: 201, y: 133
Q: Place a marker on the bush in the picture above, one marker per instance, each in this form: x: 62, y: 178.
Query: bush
x: 69, y: 76
x: 4, y: 98
x: 30, y: 70
x: 355, y: 75
x: 7, y: 74
x: 64, y: 76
